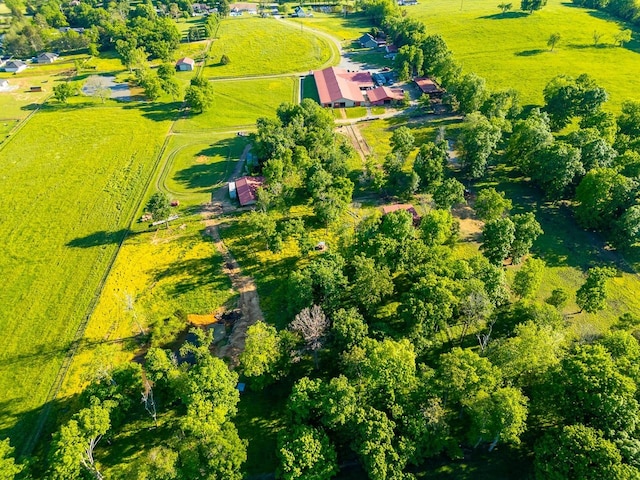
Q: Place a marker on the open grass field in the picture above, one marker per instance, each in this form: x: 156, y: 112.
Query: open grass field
x: 198, y: 164
x: 164, y: 271
x: 511, y: 51
x: 66, y: 198
x: 345, y: 29
x: 266, y: 46
x: 240, y: 103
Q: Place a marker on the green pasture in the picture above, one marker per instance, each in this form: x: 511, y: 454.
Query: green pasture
x: 196, y: 164
x: 71, y: 180
x: 266, y: 46
x: 240, y: 103
x: 346, y: 29
x: 511, y: 50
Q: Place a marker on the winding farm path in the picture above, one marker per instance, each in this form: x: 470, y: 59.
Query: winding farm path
x: 249, y: 301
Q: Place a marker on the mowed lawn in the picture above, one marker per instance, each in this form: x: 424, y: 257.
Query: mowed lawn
x: 197, y: 164
x: 240, y: 103
x: 69, y: 184
x: 511, y: 50
x: 266, y: 46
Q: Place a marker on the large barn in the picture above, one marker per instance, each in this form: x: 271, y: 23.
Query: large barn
x: 339, y: 88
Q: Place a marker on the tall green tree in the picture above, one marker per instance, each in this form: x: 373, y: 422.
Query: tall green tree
x: 430, y: 163
x: 478, y: 141
x: 497, y: 237
x: 527, y: 230
x: 579, y: 452
x: 491, y: 204
x: 200, y: 95
x: 306, y: 453
x: 8, y: 466
x: 592, y: 295
x: 528, y: 279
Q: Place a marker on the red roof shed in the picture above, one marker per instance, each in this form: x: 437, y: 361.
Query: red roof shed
x: 246, y: 188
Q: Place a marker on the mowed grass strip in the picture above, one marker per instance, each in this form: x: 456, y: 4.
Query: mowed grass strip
x: 240, y: 103
x: 266, y: 46
x: 70, y: 181
x: 511, y: 50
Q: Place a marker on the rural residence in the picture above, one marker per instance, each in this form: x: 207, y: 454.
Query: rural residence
x: 47, y: 57
x: 387, y: 209
x: 367, y: 41
x: 245, y: 189
x: 15, y: 66
x: 185, y: 64
x: 385, y: 95
x: 339, y: 88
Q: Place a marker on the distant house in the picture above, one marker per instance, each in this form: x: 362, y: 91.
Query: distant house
x: 385, y: 95
x: 429, y: 87
x: 47, y: 57
x: 14, y: 66
x: 245, y: 189
x: 299, y: 12
x: 185, y: 64
x: 240, y: 7
x: 407, y: 207
x: 339, y: 88
x: 407, y: 3
x: 367, y: 41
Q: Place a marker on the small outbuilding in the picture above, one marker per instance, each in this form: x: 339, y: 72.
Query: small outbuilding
x: 47, y: 57
x: 407, y: 207
x: 185, y: 64
x: 246, y: 189
x: 429, y: 87
x: 4, y: 83
x: 385, y: 95
x: 299, y: 12
x: 15, y: 66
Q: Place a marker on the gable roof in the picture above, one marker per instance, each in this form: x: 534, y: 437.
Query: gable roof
x: 187, y: 60
x: 367, y: 37
x: 385, y: 93
x: 246, y: 188
x: 335, y: 84
x: 48, y: 56
x: 15, y: 64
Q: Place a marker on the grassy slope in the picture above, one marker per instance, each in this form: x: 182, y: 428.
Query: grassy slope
x: 264, y: 46
x: 65, y: 197
x: 511, y: 51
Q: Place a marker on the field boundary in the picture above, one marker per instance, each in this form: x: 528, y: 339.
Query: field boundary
x: 66, y: 364
x: 21, y: 123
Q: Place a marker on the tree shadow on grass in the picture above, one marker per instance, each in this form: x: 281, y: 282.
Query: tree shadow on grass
x: 203, y: 176
x: 99, y: 238
x: 158, y: 112
x: 530, y: 53
x: 564, y: 242
x: 504, y: 16
x: 191, y: 274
